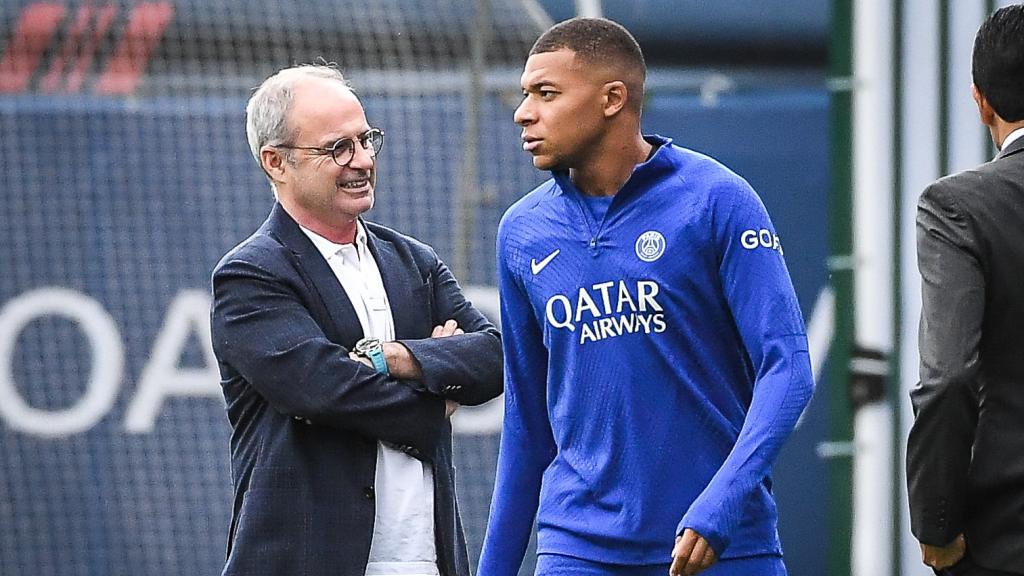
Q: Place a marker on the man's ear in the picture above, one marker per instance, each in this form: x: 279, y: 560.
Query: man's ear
x: 615, y: 97
x: 273, y: 162
x: 985, y: 111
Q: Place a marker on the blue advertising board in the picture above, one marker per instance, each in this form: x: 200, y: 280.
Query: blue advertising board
x: 113, y: 438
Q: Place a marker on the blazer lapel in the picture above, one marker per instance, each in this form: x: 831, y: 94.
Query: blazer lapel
x: 345, y: 328
x: 409, y: 305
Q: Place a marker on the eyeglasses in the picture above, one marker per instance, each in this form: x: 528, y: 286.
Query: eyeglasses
x: 343, y: 150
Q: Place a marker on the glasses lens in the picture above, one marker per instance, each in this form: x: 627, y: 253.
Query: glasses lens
x: 342, y: 151
x: 373, y: 140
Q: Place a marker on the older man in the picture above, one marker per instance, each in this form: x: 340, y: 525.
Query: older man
x: 344, y: 347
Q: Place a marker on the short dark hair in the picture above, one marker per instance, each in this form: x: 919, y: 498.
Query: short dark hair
x: 597, y: 41
x: 997, y: 66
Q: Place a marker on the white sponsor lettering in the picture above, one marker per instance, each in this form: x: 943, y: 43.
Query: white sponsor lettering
x: 566, y: 321
x: 585, y: 302
x: 764, y: 238
x: 647, y: 292
x: 608, y: 309
x: 624, y: 298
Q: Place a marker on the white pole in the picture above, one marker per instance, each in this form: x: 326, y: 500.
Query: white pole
x: 873, y: 137
x: 919, y: 161
x: 589, y: 8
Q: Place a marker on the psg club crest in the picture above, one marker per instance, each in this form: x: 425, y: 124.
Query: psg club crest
x: 650, y: 246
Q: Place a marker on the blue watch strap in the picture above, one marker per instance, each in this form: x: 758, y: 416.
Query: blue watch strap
x: 373, y: 350
x: 379, y: 363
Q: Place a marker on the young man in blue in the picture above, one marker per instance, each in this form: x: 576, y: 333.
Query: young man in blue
x: 655, y: 354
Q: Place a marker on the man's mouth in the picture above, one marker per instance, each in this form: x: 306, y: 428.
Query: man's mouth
x: 354, y: 185
x: 530, y: 143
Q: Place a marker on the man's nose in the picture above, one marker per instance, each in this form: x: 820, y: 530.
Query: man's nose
x: 362, y: 158
x: 524, y: 114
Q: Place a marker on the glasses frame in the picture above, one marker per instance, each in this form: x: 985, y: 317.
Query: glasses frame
x: 365, y: 139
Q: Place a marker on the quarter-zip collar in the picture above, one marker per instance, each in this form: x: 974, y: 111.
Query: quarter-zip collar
x: 659, y: 165
x: 662, y: 164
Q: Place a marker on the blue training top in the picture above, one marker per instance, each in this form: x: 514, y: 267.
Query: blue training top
x: 655, y: 362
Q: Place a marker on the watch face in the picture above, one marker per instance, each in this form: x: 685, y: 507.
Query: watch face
x: 367, y: 345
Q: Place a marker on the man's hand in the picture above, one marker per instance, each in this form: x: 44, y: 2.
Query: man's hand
x: 402, y: 364
x: 691, y: 554
x: 450, y: 406
x: 942, y: 557
x: 449, y: 328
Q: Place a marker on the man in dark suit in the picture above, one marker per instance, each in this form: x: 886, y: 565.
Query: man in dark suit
x: 965, y: 456
x: 344, y: 347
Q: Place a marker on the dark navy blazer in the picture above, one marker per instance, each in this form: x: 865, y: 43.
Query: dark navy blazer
x: 306, y: 418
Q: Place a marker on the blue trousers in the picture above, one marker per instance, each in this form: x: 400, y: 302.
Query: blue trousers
x: 559, y: 565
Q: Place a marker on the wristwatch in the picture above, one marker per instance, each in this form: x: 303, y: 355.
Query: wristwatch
x: 373, y: 350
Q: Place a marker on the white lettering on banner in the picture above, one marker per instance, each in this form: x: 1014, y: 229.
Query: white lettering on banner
x: 162, y: 377
x: 594, y: 307
x: 104, y: 377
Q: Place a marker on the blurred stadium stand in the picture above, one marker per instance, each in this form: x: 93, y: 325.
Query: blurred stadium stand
x: 766, y: 33
x: 125, y: 175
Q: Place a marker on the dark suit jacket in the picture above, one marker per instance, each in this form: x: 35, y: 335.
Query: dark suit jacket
x: 306, y: 418
x: 965, y: 457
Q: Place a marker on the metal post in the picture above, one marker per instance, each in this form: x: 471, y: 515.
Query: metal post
x: 841, y: 266
x: 467, y: 197
x: 896, y: 390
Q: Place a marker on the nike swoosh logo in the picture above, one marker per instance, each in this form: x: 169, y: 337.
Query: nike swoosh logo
x: 538, y: 266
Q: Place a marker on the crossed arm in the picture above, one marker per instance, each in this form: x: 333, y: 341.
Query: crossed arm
x: 264, y: 329
x: 402, y: 364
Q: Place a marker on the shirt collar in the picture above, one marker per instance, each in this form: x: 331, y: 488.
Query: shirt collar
x: 1018, y: 133
x: 330, y: 249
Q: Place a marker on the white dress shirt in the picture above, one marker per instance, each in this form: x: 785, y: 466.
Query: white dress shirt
x: 403, y: 528
x: 1011, y: 137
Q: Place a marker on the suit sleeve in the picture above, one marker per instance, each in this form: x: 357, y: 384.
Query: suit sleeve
x: 467, y: 367
x: 945, y: 409
x: 760, y: 295
x: 527, y: 446
x: 262, y: 329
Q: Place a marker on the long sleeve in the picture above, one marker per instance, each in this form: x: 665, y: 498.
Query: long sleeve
x: 467, y: 367
x: 760, y: 296
x: 953, y: 305
x: 527, y: 446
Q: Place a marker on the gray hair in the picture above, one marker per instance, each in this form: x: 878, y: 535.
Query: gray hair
x: 266, y: 114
